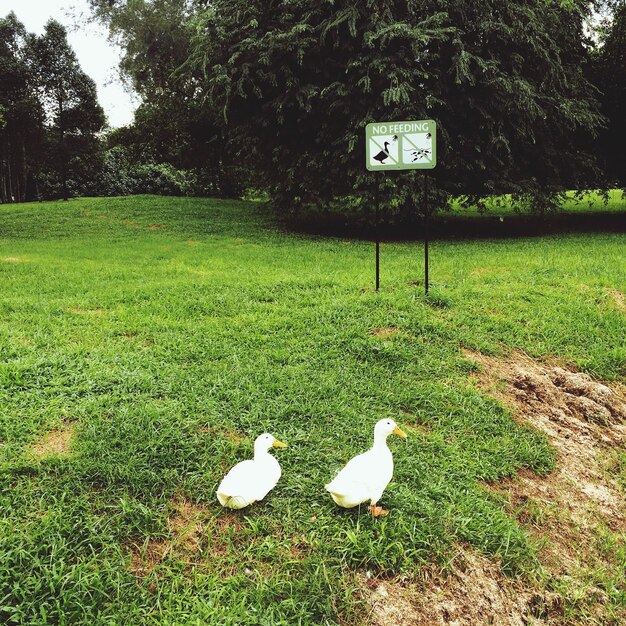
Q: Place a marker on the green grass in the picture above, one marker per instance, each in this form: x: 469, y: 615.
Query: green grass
x: 161, y: 343
x: 591, y: 203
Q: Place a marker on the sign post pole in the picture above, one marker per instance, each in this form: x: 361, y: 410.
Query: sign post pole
x: 407, y: 145
x: 377, y: 226
x: 426, y: 233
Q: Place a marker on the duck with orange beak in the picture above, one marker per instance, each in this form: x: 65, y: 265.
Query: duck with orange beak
x: 366, y: 476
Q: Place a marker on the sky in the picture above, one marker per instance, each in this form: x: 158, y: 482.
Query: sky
x: 97, y: 56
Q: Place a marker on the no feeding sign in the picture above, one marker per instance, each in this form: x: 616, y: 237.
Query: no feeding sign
x: 401, y: 145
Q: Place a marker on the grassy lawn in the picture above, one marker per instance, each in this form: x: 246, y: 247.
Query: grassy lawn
x: 160, y: 336
x: 591, y: 203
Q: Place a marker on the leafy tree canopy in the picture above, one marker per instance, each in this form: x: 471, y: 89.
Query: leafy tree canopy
x: 70, y: 100
x: 288, y: 86
x: 609, y: 75
x: 21, y: 113
x: 49, y: 116
x: 174, y: 124
x: 298, y: 80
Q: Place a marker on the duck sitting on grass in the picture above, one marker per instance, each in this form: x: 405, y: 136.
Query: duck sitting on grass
x: 250, y: 481
x: 366, y: 476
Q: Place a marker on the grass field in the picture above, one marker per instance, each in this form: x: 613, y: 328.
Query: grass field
x: 590, y: 203
x: 146, y: 341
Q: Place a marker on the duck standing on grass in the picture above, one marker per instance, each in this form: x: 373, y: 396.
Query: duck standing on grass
x: 367, y: 475
x: 250, y: 481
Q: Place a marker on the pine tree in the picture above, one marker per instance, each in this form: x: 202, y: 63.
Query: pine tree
x: 296, y: 82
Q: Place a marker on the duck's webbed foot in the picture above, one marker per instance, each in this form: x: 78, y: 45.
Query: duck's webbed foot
x: 378, y: 511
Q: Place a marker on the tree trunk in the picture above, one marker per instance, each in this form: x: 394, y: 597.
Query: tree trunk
x: 10, y: 196
x: 63, y: 154
x: 24, y: 172
x: 3, y: 173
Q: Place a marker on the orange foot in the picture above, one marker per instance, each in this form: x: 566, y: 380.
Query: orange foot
x: 378, y: 511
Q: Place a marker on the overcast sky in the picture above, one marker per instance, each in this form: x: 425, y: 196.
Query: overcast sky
x: 97, y: 57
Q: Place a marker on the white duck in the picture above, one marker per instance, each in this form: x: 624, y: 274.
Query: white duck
x: 250, y: 481
x: 367, y: 475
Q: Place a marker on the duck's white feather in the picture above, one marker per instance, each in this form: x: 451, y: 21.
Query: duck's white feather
x: 248, y: 482
x: 364, y: 478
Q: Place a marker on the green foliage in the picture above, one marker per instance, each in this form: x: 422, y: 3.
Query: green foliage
x: 71, y: 105
x: 162, y: 179
x: 123, y: 173
x: 609, y: 76
x: 180, y: 137
x: 170, y: 348
x: 172, y: 125
x: 115, y: 176
x: 296, y: 83
x: 50, y: 116
x: 21, y: 113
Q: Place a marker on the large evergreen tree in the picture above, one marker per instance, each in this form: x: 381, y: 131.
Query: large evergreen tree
x: 298, y: 80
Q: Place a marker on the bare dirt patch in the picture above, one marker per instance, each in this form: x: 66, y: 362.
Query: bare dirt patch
x: 115, y: 220
x: 478, y: 272
x: 384, y: 332
x: 186, y: 525
x: 155, y: 226
x: 197, y: 537
x: 56, y: 443
x: 11, y: 259
x: 473, y: 592
x: 618, y: 298
x: 145, y: 558
x: 234, y: 436
x: 568, y: 510
x: 581, y: 417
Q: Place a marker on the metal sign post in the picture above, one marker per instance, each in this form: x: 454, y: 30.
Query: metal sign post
x: 426, y: 225
x: 377, y: 237
x: 408, y: 145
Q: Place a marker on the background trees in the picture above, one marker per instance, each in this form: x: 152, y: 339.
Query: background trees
x: 175, y: 124
x: 297, y: 82
x: 50, y: 116
x: 287, y: 87
x: 276, y: 94
x: 21, y: 114
x: 609, y: 75
x: 73, y: 115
